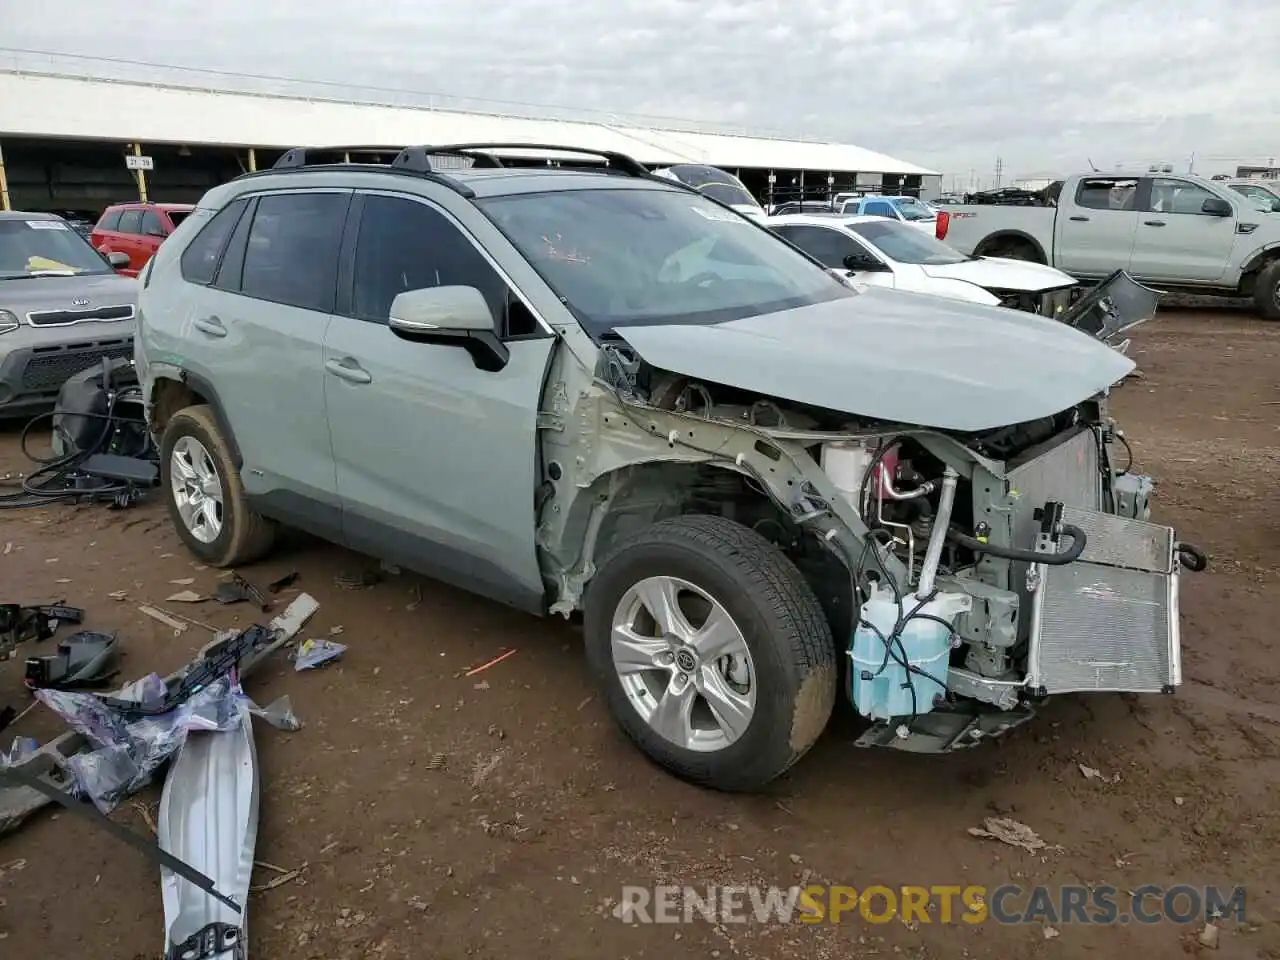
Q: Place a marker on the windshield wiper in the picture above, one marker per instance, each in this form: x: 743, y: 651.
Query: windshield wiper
x: 37, y: 274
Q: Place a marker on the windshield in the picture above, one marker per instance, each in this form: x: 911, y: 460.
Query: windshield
x: 913, y: 209
x: 624, y: 257
x: 729, y: 194
x: 1260, y: 195
x: 32, y: 247
x: 906, y: 244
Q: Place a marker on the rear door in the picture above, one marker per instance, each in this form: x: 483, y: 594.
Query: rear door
x: 154, y: 230
x: 256, y: 332
x: 1176, y: 239
x: 437, y: 460
x: 127, y: 239
x: 1096, y: 228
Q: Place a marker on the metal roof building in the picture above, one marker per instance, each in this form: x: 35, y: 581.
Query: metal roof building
x: 45, y: 118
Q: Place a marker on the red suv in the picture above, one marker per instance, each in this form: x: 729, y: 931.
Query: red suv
x: 136, y: 229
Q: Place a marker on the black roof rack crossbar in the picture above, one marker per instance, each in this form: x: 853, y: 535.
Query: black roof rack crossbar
x: 419, y: 158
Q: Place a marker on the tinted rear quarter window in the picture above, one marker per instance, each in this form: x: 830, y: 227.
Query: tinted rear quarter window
x: 152, y: 225
x: 292, y: 251
x: 130, y: 221
x: 110, y: 220
x: 177, y: 216
x: 200, y: 259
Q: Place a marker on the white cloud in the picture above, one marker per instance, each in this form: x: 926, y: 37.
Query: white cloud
x: 1044, y: 84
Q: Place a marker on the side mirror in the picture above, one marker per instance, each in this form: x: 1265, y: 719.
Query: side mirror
x: 863, y: 261
x: 450, y: 317
x: 1216, y: 207
x: 117, y: 259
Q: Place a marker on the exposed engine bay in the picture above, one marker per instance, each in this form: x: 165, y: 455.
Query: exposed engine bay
x: 984, y: 570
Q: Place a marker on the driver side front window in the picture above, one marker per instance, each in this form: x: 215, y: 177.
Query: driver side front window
x: 828, y: 247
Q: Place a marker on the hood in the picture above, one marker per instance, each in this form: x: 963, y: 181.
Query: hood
x: 892, y: 355
x: 998, y: 273
x: 28, y: 294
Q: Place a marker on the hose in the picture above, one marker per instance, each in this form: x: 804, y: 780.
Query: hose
x: 1060, y: 559
x: 1191, y: 556
x: 57, y: 480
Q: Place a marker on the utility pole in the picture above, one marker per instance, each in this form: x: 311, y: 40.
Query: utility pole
x: 999, y: 170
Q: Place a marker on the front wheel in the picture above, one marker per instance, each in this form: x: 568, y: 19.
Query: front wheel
x: 713, y: 653
x: 1266, y: 293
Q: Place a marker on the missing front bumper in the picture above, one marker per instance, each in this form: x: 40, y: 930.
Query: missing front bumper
x: 1109, y: 621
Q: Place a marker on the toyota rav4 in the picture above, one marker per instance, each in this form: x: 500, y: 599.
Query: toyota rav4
x: 597, y: 390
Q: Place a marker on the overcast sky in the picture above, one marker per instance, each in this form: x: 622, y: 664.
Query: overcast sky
x: 1044, y: 84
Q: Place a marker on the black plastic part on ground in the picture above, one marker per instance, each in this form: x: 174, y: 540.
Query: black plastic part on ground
x: 89, y: 421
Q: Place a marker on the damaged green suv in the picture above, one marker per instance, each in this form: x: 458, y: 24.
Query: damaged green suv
x: 592, y: 389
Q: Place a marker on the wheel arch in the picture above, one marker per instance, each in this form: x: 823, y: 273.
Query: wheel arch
x: 993, y: 240
x: 630, y: 498
x: 169, y: 394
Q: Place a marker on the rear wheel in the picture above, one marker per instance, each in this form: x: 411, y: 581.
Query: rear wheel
x: 203, y: 492
x: 712, y: 651
x: 1266, y: 293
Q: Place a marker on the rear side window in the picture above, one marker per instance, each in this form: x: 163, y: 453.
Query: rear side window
x: 152, y: 225
x: 292, y: 252
x: 200, y: 259
x: 880, y: 208
x: 177, y: 216
x: 130, y: 221
x: 110, y: 220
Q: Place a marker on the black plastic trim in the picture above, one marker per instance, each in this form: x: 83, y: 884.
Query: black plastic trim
x: 206, y: 389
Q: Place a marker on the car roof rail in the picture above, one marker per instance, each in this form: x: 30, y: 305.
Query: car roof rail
x: 418, y: 159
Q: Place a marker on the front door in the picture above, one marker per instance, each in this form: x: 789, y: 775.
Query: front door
x: 437, y: 460
x: 1095, y: 232
x: 1176, y: 239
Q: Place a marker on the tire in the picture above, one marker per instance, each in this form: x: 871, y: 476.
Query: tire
x: 792, y: 659
x: 241, y: 535
x: 1266, y: 293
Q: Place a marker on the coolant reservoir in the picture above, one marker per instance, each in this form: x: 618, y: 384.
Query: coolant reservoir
x: 879, y: 685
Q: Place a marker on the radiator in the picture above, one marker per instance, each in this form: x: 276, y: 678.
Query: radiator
x: 1109, y: 621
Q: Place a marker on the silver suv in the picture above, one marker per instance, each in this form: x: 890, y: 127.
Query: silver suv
x: 62, y: 309
x: 592, y: 389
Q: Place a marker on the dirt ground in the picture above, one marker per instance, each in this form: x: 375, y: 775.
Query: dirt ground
x: 517, y: 841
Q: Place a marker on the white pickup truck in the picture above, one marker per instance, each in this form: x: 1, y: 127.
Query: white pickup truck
x: 1176, y: 233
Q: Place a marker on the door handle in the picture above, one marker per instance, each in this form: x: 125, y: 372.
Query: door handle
x: 1079, y: 219
x: 211, y: 325
x: 349, y: 370
x: 1153, y: 223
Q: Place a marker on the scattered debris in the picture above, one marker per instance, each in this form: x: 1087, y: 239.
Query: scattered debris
x: 119, y: 595
x: 1050, y: 932
x: 279, y: 583
x: 1009, y: 831
x: 8, y: 548
x: 1209, y: 935
x: 183, y: 581
x: 492, y: 663
x: 84, y: 659
x: 176, y: 625
x: 239, y: 590
x: 437, y: 761
x: 1179, y: 801
x: 144, y: 811
x: 186, y: 596
x: 584, y: 702
x: 1091, y: 773
x: 282, y: 877
x: 484, y: 767
x: 358, y: 580
x: 315, y: 653
x: 19, y: 624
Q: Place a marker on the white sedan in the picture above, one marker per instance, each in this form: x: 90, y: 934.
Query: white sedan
x: 888, y: 253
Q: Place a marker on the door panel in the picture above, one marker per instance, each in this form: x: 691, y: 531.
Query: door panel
x: 258, y: 332
x: 437, y: 461
x: 1095, y: 232
x: 1176, y: 239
